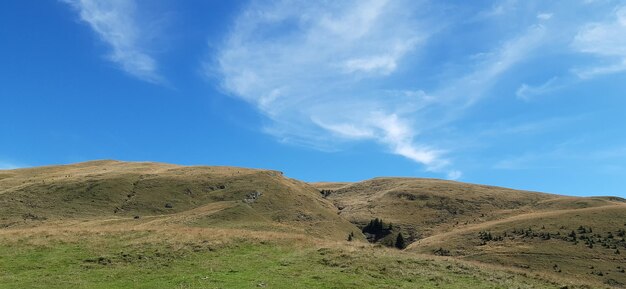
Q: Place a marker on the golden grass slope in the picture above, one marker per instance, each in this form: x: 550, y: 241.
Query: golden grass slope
x: 197, y: 196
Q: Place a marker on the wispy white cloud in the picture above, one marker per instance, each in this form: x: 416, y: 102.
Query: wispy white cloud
x: 528, y: 92
x: 544, y: 16
x: 309, y: 67
x: 498, y: 8
x: 607, y: 41
x: 318, y: 72
x: 473, y: 86
x: 115, y: 22
x: 594, y: 71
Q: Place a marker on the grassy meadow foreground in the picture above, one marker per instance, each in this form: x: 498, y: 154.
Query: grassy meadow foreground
x: 109, y: 224
x: 107, y: 256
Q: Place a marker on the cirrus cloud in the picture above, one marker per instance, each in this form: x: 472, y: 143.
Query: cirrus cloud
x: 333, y: 72
x: 115, y: 22
x: 605, y: 40
x: 314, y: 70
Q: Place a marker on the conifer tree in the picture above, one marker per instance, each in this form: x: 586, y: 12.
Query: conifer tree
x: 400, y: 243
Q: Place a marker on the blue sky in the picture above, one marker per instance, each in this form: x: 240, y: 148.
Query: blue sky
x: 522, y: 94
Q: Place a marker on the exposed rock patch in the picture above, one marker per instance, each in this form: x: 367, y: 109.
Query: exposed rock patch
x: 252, y: 197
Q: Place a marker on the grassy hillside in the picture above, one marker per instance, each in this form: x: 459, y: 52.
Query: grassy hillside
x: 110, y: 224
x: 516, y: 229
x: 425, y: 207
x: 148, y: 254
x: 571, y: 243
x: 208, y: 196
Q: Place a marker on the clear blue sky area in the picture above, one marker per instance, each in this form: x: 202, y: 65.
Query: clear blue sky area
x: 522, y: 94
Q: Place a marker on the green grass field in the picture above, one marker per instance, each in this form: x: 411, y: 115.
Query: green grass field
x: 126, y: 260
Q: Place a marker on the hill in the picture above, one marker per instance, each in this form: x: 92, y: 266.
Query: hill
x: 197, y: 196
x: 569, y: 242
x: 511, y: 228
x: 104, y: 224
x: 424, y: 207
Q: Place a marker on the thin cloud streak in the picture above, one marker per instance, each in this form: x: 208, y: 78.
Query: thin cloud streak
x: 528, y: 92
x: 563, y: 156
x: 461, y: 93
x: 514, y: 51
x: 115, y: 23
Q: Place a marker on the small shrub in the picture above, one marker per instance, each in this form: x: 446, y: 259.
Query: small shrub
x: 442, y: 252
x: 326, y: 193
